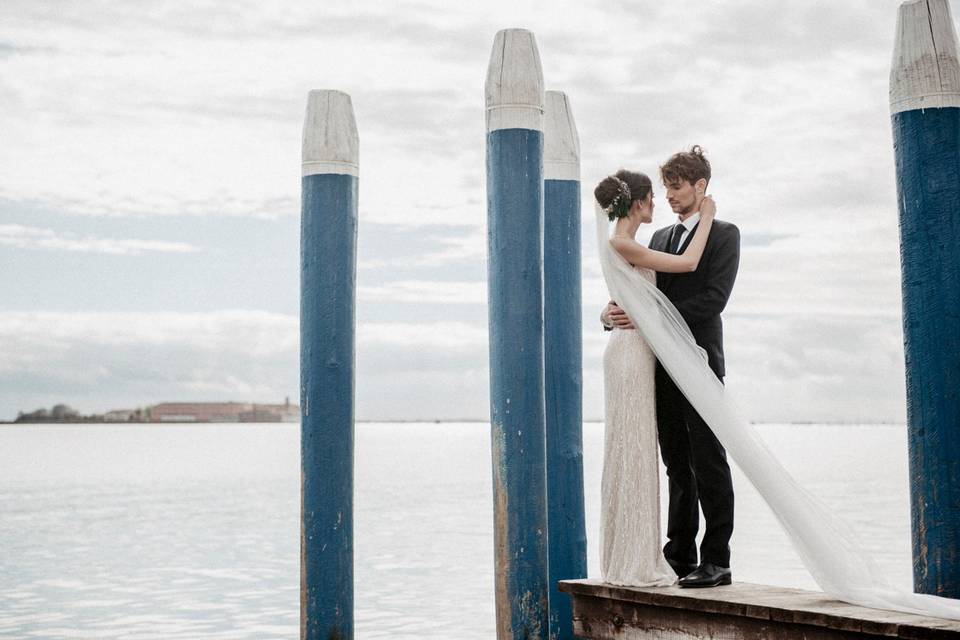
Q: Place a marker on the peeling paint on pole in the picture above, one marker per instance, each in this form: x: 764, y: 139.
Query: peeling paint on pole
x: 514, y: 102
x: 925, y: 114
x: 328, y: 245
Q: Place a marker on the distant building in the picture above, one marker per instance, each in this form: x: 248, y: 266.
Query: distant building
x: 173, y: 412
x: 198, y: 411
x: 224, y: 412
x: 120, y: 415
x: 285, y: 412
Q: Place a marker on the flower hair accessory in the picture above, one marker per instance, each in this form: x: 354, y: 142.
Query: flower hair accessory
x: 619, y: 207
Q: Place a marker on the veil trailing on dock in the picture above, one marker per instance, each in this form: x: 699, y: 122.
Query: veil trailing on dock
x: 826, y: 544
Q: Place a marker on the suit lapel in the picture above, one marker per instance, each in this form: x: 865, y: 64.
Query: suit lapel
x: 659, y: 242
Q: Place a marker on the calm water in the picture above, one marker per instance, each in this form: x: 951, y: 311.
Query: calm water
x: 191, y: 531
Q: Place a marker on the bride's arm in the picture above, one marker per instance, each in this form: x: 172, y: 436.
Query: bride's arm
x: 639, y: 255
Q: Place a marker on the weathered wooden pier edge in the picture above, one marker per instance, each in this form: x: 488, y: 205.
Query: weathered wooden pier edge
x: 740, y: 611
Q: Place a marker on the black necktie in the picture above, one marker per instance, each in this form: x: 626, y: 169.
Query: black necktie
x: 675, y: 238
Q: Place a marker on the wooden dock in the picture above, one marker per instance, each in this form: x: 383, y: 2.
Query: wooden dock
x: 740, y: 611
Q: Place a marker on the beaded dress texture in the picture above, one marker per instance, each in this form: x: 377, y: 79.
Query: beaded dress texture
x: 630, y: 544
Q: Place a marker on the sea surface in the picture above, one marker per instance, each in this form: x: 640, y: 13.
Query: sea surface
x: 192, y: 531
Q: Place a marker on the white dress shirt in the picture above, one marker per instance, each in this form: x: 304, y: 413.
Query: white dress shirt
x: 688, y: 225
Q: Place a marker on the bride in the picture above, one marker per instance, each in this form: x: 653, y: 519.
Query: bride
x: 630, y: 503
x: 827, y: 545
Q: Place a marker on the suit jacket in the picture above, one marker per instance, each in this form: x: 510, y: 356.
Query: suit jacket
x: 701, y: 295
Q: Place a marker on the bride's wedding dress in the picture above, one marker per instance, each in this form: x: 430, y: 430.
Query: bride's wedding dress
x: 827, y: 546
x: 630, y: 489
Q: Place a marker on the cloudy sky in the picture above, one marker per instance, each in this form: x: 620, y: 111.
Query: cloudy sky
x: 149, y: 191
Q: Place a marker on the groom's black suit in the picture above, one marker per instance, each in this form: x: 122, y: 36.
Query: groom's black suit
x: 696, y: 461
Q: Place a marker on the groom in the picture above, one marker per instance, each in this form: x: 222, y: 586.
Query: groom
x: 696, y: 462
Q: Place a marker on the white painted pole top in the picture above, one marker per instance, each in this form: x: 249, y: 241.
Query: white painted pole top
x: 330, y: 141
x: 925, y: 73
x: 514, y: 82
x: 561, y: 144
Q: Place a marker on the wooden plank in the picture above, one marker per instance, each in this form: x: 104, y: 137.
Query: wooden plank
x: 599, y: 619
x: 741, y: 610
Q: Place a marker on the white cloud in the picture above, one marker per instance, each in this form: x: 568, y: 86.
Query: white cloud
x: 796, y: 368
x: 98, y: 361
x: 781, y: 367
x: 27, y: 237
x: 425, y: 292
x: 456, y: 336
x: 133, y: 111
x: 213, y: 126
x: 462, y: 248
x: 817, y: 367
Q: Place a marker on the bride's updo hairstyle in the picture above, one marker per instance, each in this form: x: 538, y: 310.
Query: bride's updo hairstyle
x: 616, y: 193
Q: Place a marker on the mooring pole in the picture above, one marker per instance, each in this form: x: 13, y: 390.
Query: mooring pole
x: 563, y: 357
x: 328, y: 247
x: 514, y: 99
x: 925, y: 113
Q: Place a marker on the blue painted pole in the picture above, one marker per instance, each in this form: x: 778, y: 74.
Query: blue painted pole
x: 925, y: 113
x: 328, y: 247
x: 514, y: 99
x: 563, y: 357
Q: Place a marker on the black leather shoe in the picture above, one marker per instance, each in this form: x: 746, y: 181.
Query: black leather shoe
x: 680, y: 568
x: 707, y: 575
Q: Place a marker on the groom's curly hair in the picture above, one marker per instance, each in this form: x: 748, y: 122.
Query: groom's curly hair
x: 686, y: 165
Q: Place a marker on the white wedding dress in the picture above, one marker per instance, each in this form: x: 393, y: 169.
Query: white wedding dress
x: 827, y: 545
x: 630, y: 489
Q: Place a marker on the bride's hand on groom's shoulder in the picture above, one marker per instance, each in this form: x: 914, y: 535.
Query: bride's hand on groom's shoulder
x: 708, y: 208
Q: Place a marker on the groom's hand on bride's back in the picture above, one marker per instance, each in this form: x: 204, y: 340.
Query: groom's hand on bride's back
x: 614, y: 316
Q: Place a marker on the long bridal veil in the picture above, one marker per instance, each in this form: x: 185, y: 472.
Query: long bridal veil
x: 827, y: 546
